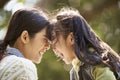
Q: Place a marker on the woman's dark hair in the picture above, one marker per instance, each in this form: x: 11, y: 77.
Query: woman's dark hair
x: 89, y: 48
x: 29, y: 19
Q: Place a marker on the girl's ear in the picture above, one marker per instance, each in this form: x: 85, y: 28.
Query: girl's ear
x: 25, y: 37
x: 71, y: 38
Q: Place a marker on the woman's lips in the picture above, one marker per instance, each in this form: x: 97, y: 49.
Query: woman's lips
x: 43, y: 51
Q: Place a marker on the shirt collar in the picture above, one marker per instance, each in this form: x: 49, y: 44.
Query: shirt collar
x: 76, y: 63
x: 14, y: 51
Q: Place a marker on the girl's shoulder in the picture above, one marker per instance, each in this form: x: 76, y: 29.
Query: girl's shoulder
x: 102, y: 72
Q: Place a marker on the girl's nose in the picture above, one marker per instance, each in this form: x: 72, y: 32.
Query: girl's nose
x: 47, y: 45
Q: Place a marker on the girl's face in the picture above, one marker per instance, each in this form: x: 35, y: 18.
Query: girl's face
x: 34, y: 48
x: 64, y: 48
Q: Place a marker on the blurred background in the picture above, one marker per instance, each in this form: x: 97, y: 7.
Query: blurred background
x: 102, y: 15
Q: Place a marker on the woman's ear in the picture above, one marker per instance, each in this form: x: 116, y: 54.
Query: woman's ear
x: 25, y: 37
x: 71, y: 38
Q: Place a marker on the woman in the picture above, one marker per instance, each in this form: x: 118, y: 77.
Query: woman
x: 75, y: 42
x: 24, y: 43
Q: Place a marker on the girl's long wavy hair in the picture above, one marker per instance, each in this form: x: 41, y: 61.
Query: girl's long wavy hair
x: 89, y: 48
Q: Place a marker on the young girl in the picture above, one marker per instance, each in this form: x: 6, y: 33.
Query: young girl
x: 24, y: 43
x: 75, y: 42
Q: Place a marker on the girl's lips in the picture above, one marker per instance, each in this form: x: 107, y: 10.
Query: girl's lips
x: 61, y: 55
x: 58, y: 54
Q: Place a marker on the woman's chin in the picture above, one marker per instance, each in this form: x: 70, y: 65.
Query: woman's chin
x: 37, y: 61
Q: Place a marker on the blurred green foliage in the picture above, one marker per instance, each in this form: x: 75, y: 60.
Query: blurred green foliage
x: 51, y: 69
x: 102, y: 15
x: 4, y: 18
x: 108, y: 27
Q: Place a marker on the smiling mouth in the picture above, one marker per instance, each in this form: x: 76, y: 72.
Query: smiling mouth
x: 43, y: 51
x: 58, y: 54
x: 40, y: 53
x: 61, y: 56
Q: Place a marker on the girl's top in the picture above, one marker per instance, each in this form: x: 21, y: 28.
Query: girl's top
x: 99, y: 72
x: 15, y: 67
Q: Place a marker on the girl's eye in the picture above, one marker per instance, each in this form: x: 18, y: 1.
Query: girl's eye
x: 45, y: 40
x: 54, y: 41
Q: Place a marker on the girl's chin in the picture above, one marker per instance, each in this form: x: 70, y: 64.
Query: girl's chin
x: 67, y: 62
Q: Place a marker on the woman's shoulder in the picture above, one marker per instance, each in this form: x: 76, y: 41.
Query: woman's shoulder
x: 101, y: 67
x: 13, y: 60
x: 16, y: 65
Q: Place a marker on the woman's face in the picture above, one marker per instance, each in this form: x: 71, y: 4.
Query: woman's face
x: 64, y: 48
x: 34, y: 48
x: 38, y: 46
